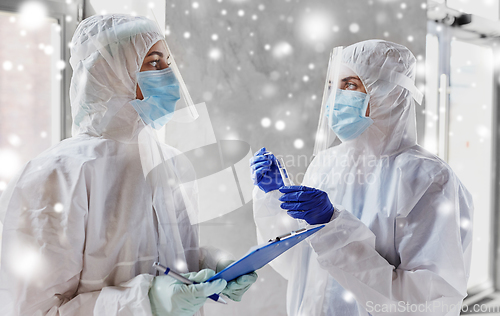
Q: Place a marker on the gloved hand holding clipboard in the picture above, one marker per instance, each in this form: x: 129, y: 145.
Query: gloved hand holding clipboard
x: 260, y: 255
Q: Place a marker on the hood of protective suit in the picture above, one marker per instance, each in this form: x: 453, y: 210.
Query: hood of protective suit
x: 106, y: 53
x: 387, y: 71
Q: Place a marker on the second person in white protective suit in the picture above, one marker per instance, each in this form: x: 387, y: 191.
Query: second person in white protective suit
x: 397, y: 236
x: 82, y: 223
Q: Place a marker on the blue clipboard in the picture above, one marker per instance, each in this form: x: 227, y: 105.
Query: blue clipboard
x: 259, y: 256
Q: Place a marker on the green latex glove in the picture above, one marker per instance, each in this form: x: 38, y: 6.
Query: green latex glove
x: 169, y: 297
x: 237, y: 287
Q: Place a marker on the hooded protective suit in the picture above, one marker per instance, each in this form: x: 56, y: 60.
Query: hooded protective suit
x: 82, y: 225
x: 399, y: 242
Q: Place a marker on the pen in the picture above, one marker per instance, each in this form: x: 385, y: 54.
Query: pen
x: 178, y: 277
x: 288, y: 235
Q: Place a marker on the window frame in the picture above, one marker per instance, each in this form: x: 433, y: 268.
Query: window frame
x: 59, y: 10
x: 445, y: 34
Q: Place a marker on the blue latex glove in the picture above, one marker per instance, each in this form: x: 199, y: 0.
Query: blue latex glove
x: 309, y: 204
x: 265, y: 172
x: 237, y: 287
x: 169, y: 297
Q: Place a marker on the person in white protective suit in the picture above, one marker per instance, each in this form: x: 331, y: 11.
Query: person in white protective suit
x: 397, y: 236
x: 82, y: 225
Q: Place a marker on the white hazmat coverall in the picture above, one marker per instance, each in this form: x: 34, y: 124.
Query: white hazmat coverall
x: 399, y: 242
x: 82, y: 226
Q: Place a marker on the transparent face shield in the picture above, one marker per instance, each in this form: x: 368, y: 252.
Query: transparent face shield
x: 210, y: 176
x: 185, y: 110
x: 325, y: 135
x: 339, y: 77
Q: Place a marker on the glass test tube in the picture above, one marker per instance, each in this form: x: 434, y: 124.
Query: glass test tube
x: 283, y: 172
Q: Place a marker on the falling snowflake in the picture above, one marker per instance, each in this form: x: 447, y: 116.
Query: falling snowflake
x: 33, y: 14
x: 58, y: 207
x: 348, y: 297
x: 7, y: 65
x: 10, y: 163
x: 14, y: 140
x: 298, y: 143
x: 61, y: 64
x: 215, y: 54
x: 282, y: 49
x: 464, y: 223
x: 315, y: 26
x: 354, y: 28
x: 48, y: 50
x: 280, y: 125
x: 483, y: 131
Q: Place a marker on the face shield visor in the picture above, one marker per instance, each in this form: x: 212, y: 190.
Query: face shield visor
x: 165, y: 95
x: 180, y: 152
x: 344, y: 106
x: 185, y: 110
x: 325, y: 136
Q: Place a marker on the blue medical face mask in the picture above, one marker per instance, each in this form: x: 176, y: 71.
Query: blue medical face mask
x: 348, y: 114
x: 160, y: 89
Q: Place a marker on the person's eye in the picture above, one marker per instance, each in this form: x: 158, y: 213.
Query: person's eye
x: 155, y: 63
x: 351, y: 86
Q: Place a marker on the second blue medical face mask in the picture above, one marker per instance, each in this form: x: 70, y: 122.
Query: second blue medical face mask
x: 348, y: 114
x: 160, y: 89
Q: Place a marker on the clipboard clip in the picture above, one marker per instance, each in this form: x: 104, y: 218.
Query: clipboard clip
x: 292, y: 233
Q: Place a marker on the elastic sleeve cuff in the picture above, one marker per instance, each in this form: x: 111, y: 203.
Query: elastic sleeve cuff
x: 336, y: 212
